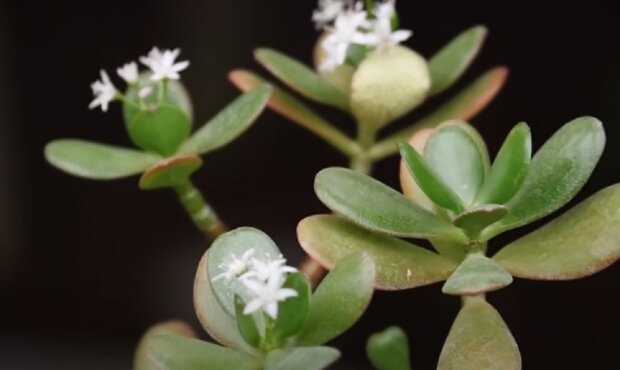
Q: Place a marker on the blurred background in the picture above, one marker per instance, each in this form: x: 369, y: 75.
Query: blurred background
x: 86, y: 267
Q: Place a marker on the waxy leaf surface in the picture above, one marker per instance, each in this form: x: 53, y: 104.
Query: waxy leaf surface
x: 375, y: 206
x: 399, y: 264
x: 581, y: 242
x: 389, y: 350
x: 477, y: 274
x: 97, y: 161
x: 301, y: 358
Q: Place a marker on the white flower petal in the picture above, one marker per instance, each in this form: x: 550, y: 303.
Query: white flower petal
x: 252, y: 306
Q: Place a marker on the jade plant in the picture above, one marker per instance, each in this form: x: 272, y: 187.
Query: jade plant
x: 264, y: 314
x: 158, y: 116
x: 261, y: 311
x: 459, y: 204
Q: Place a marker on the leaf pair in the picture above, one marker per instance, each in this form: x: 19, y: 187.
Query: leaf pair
x: 106, y: 162
x: 359, y: 92
x: 303, y: 322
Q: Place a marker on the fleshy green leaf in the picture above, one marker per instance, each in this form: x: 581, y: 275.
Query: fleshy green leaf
x: 509, y: 168
x: 97, y: 161
x: 340, y: 300
x: 374, y: 205
x: 451, y: 250
x: 246, y: 324
x: 479, y: 340
x: 172, y: 352
x: 579, y: 243
x: 476, y: 275
x: 220, y: 325
x: 294, y: 311
x: 430, y: 183
x: 301, y: 358
x: 302, y: 79
x: 176, y: 96
x: 476, y: 219
x: 141, y: 359
x: 389, y: 83
x: 291, y: 108
x: 399, y: 264
x: 229, y: 124
x: 449, y: 64
x: 409, y: 187
x: 389, y: 350
x: 161, y: 130
x: 170, y: 172
x: 234, y: 244
x: 556, y: 174
x: 464, y: 106
x: 459, y: 157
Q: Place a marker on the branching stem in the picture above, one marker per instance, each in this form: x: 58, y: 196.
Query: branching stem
x: 203, y: 216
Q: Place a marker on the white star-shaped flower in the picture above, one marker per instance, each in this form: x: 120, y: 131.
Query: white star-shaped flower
x: 346, y: 31
x: 267, y: 295
x: 163, y: 64
x: 236, y: 267
x: 381, y: 34
x: 328, y: 11
x: 129, y: 72
x: 145, y: 92
x: 263, y: 271
x: 104, y: 92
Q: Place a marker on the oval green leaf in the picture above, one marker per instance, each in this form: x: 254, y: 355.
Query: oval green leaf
x: 170, y: 172
x: 476, y: 219
x: 161, y: 130
x: 577, y: 244
x: 246, y: 324
x: 173, y: 352
x: 399, y: 264
x: 291, y: 108
x: 294, y: 311
x: 389, y: 83
x: 176, y: 96
x: 229, y: 124
x: 478, y: 274
x: 373, y: 205
x: 430, y: 183
x: 479, y: 340
x: 141, y: 359
x: 301, y: 358
x: 302, y: 79
x: 228, y: 246
x: 464, y: 106
x: 389, y: 350
x: 97, y: 161
x: 556, y: 174
x: 458, y: 155
x: 509, y: 168
x: 339, y: 301
x: 220, y: 325
x: 449, y: 64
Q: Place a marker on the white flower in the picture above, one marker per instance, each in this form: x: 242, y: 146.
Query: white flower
x: 104, y: 92
x: 328, y: 11
x: 267, y: 295
x: 381, y: 34
x: 236, y: 267
x: 163, y: 64
x: 263, y: 271
x: 129, y: 72
x: 347, y: 30
x: 145, y: 92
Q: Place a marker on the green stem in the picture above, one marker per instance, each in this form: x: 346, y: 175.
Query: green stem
x: 204, y: 217
x: 361, y: 161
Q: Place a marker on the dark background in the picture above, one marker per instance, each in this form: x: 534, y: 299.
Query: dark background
x: 86, y: 267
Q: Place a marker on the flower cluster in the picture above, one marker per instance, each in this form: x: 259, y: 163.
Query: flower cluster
x: 348, y: 23
x: 263, y: 279
x: 162, y: 66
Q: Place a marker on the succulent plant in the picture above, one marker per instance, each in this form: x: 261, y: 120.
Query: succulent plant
x: 158, y: 118
x: 291, y: 340
x: 462, y: 202
x: 375, y: 89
